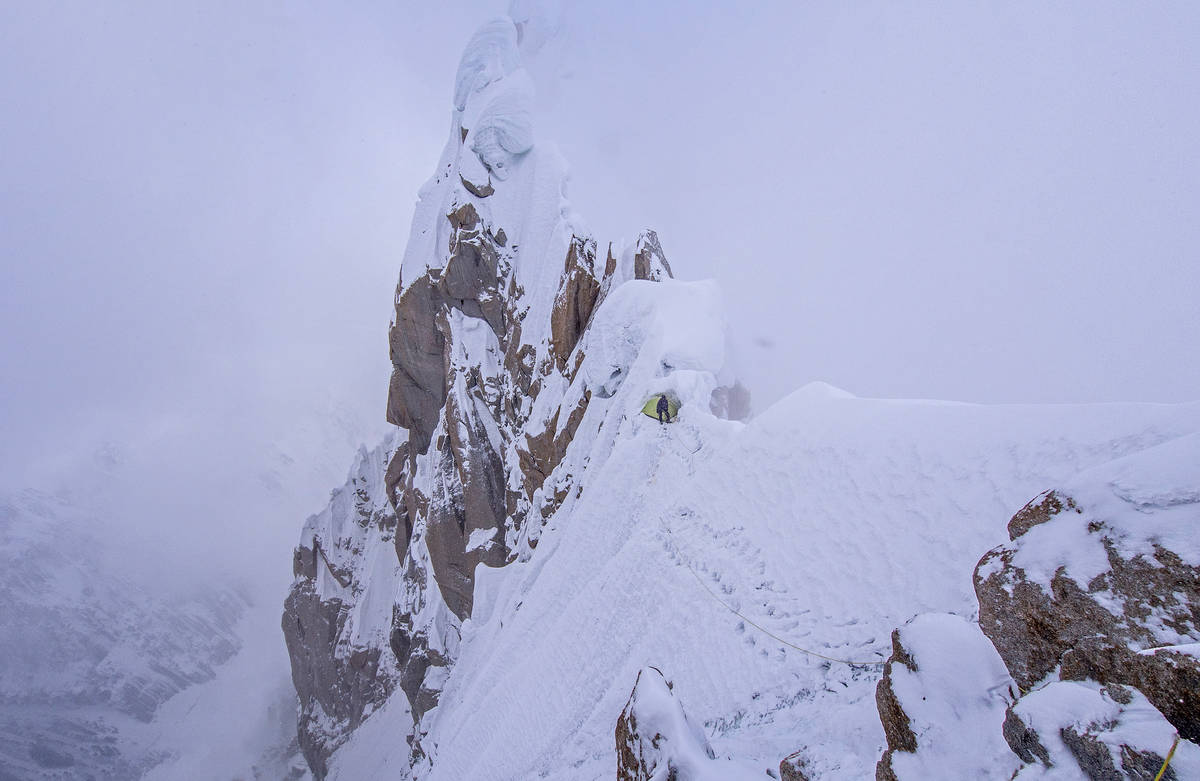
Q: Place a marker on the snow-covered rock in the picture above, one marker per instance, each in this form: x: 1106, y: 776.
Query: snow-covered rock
x: 654, y: 737
x: 1093, y: 607
x: 944, y: 681
x: 337, y: 617
x: 1099, y: 569
x: 1068, y: 730
x: 656, y: 741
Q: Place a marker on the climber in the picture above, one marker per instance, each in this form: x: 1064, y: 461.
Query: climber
x: 663, y: 408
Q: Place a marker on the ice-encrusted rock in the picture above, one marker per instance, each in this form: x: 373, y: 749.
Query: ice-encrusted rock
x: 649, y: 262
x: 1069, y: 730
x: 655, y: 740
x: 1099, y: 570
x: 943, y: 679
x: 337, y: 616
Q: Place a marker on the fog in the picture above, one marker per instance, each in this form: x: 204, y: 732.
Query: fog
x: 203, y: 208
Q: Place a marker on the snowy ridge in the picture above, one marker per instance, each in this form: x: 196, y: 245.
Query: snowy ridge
x: 829, y: 519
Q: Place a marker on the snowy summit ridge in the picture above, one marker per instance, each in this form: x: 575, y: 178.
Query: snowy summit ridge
x: 529, y: 578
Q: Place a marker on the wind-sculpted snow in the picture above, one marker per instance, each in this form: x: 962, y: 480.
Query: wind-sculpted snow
x: 490, y: 55
x: 503, y: 130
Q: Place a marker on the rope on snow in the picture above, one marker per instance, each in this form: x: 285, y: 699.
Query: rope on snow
x: 722, y: 603
x: 765, y: 631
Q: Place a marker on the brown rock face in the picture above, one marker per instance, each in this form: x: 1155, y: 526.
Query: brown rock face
x: 631, y: 764
x: 478, y: 190
x: 897, y: 727
x: 468, y: 496
x: 418, y: 386
x: 1169, y: 679
x: 1091, y: 631
x: 436, y: 387
x: 577, y: 293
x: 793, y: 768
x: 343, y: 684
x: 339, y: 679
x: 649, y: 262
x: 1037, y: 512
x: 1023, y: 740
x: 417, y: 340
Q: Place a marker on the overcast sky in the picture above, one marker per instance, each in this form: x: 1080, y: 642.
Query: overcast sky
x: 203, y: 205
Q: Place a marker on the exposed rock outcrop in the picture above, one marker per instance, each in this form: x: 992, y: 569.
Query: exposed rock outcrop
x: 649, y: 262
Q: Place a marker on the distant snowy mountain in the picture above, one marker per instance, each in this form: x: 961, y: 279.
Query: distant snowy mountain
x: 480, y: 598
x: 133, y: 646
x: 90, y: 653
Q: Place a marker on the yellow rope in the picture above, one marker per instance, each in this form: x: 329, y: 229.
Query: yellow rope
x: 765, y: 631
x: 1167, y: 761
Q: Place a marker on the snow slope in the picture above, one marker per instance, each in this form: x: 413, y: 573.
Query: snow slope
x: 828, y: 520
